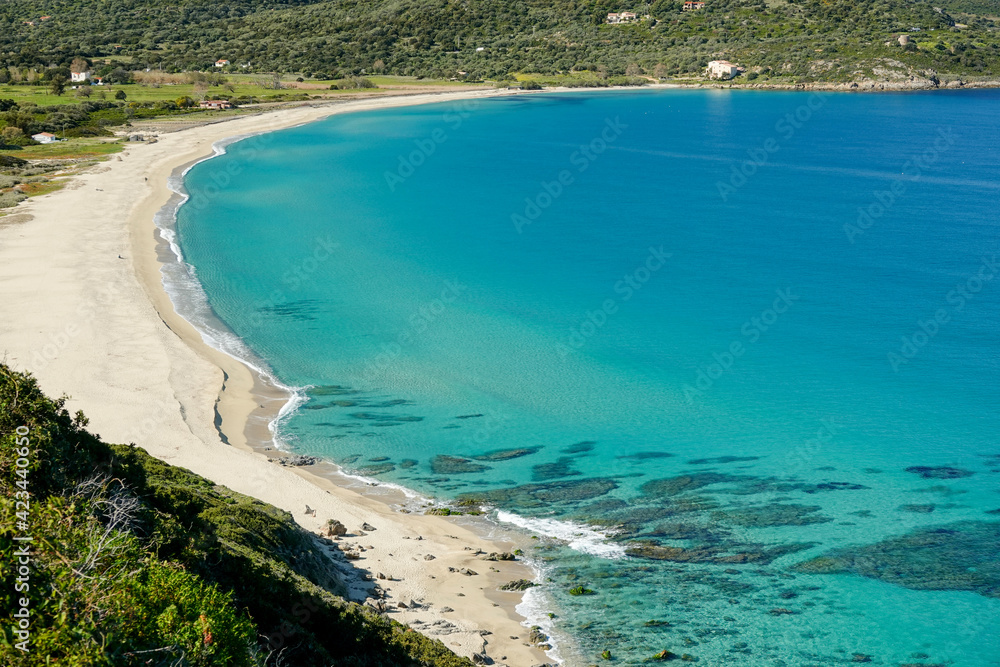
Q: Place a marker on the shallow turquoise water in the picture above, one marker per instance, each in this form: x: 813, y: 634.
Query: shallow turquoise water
x: 538, y: 272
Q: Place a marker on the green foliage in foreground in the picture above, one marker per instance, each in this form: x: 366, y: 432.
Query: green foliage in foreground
x: 136, y: 562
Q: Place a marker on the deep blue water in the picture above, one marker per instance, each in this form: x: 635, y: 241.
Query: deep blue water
x: 722, y: 323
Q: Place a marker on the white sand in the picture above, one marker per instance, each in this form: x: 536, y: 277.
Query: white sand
x: 101, y: 329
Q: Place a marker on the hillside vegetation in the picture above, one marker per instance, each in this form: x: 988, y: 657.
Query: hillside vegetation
x: 834, y: 40
x: 136, y: 562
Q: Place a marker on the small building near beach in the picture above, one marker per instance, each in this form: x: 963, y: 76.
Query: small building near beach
x: 215, y: 104
x: 723, y: 69
x: 693, y: 4
x: 45, y: 137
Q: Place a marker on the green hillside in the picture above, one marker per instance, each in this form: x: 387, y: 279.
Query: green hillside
x: 136, y: 562
x: 805, y: 39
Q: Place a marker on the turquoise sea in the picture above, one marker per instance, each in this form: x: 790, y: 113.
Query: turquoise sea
x: 738, y: 350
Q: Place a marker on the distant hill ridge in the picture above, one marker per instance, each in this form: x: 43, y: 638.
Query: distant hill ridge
x: 809, y: 40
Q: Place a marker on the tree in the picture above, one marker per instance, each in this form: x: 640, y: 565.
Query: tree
x: 120, y: 95
x: 79, y: 65
x: 633, y: 70
x: 12, y: 135
x: 57, y: 85
x: 118, y: 76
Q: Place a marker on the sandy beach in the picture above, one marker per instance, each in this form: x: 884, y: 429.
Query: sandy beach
x: 85, y: 311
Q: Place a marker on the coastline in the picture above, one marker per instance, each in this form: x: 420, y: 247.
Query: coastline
x: 90, y: 317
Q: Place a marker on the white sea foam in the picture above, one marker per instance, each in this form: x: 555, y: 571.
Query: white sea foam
x: 534, y: 606
x: 577, y: 536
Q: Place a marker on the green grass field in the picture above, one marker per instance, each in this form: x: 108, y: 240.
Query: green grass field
x: 72, y: 149
x: 239, y: 85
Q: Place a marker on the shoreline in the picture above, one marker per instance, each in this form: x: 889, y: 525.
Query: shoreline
x: 94, y: 321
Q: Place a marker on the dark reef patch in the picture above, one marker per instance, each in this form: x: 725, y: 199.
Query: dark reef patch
x: 646, y: 456
x: 722, y: 460
x: 376, y: 469
x: 721, y: 554
x: 534, y: 496
x: 563, y: 467
x: 332, y: 390
x: 939, y: 472
x: 580, y: 447
x: 454, y: 465
x: 773, y: 514
x: 506, y: 454
x: 673, y: 486
x: 918, y: 509
x: 960, y: 556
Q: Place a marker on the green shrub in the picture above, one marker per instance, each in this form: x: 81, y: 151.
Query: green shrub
x: 12, y: 198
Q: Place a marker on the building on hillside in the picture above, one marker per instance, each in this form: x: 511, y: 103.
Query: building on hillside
x: 215, y: 104
x: 79, y: 77
x: 221, y: 62
x: 723, y: 69
x: 623, y: 17
x: 45, y: 137
x: 693, y: 4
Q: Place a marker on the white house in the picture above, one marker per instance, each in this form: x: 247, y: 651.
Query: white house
x: 624, y: 17
x: 44, y: 137
x: 79, y: 77
x: 221, y: 63
x: 723, y: 69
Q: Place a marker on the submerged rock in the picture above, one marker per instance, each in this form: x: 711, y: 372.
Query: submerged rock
x: 673, y: 486
x: 506, y: 454
x: 959, y: 556
x: 722, y: 459
x: 919, y: 509
x: 775, y: 514
x: 543, y: 495
x: 376, y: 469
x: 563, y: 467
x: 454, y: 465
x: 715, y: 554
x: 646, y: 456
x: 939, y: 472
x: 580, y: 447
